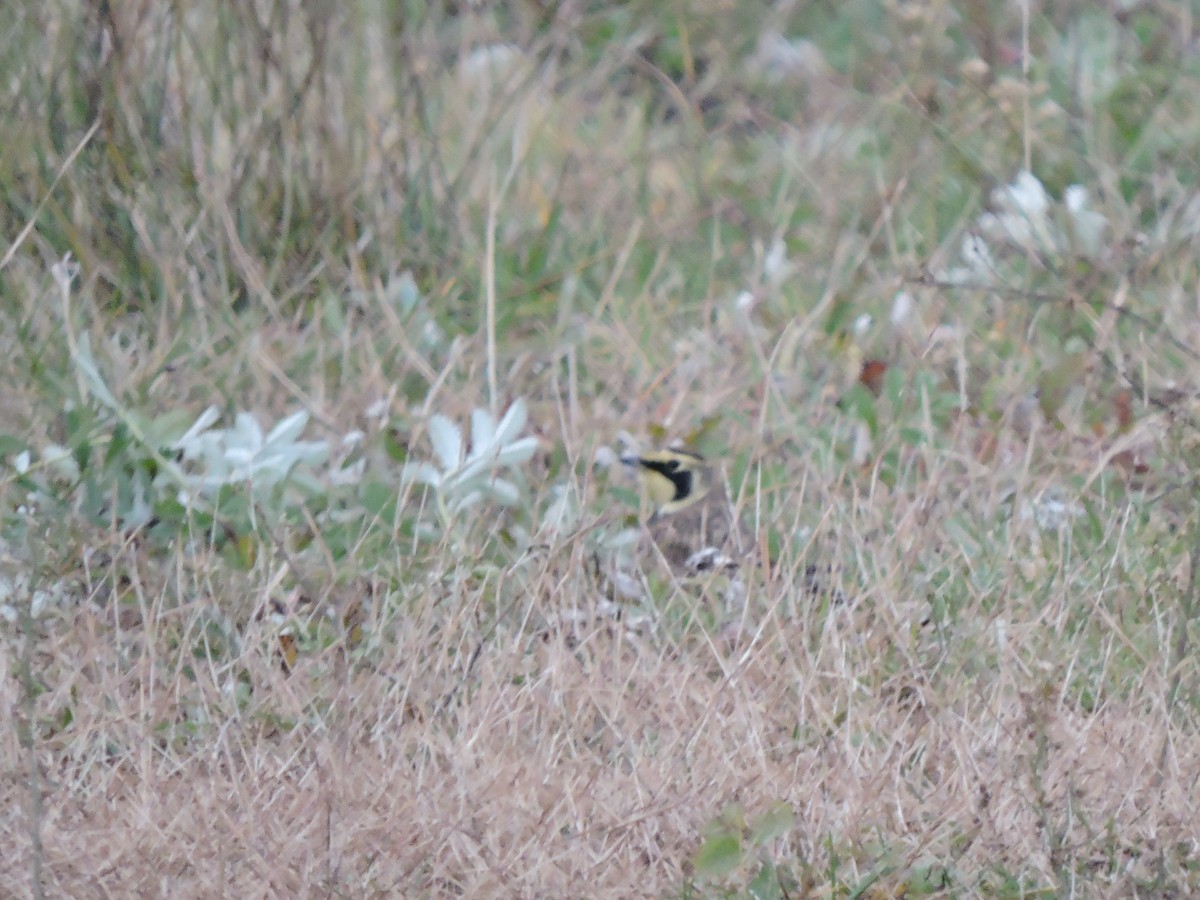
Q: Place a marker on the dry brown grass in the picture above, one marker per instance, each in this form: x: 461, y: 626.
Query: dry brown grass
x: 584, y: 771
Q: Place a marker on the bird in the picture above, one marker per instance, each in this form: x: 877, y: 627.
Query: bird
x: 695, y: 527
x: 691, y: 521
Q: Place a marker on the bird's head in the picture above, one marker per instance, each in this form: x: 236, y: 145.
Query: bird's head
x: 672, y: 479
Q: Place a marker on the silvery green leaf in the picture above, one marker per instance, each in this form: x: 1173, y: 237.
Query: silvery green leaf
x: 504, y: 492
x: 240, y: 457
x: 422, y: 473
x: 273, y: 469
x: 512, y: 423
x: 208, y: 447
x: 432, y: 335
x: 287, y: 430
x: 403, y: 289
x: 479, y: 467
x: 776, y: 266
x: 265, y: 470
x: 446, y: 439
x: 201, y: 425
x: 39, y: 603
x: 305, y: 481
x: 64, y: 272
x: 977, y: 254
x: 60, y: 461
x: 139, y: 512
x: 563, y: 512
x: 245, y: 434
x: 473, y: 469
x: 310, y: 453
x: 163, y: 430
x: 348, y: 474
x: 12, y: 584
x: 517, y: 452
x: 1088, y: 224
x: 466, y: 501
x: 483, y: 432
x: 90, y: 372
x: 1024, y: 216
x: 1015, y: 229
x: 207, y: 483
x: 1025, y: 195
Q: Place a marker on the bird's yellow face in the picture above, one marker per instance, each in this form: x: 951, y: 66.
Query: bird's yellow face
x: 672, y: 479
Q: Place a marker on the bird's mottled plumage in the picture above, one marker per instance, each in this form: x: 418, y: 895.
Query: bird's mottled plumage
x: 694, y: 526
x: 692, y: 521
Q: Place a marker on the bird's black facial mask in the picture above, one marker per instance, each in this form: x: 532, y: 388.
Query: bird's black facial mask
x: 669, y: 469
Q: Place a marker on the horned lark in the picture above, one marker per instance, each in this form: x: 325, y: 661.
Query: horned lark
x: 692, y: 521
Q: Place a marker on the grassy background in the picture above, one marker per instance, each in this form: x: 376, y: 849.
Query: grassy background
x: 643, y: 221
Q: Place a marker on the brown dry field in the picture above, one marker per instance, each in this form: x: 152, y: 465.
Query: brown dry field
x: 593, y: 778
